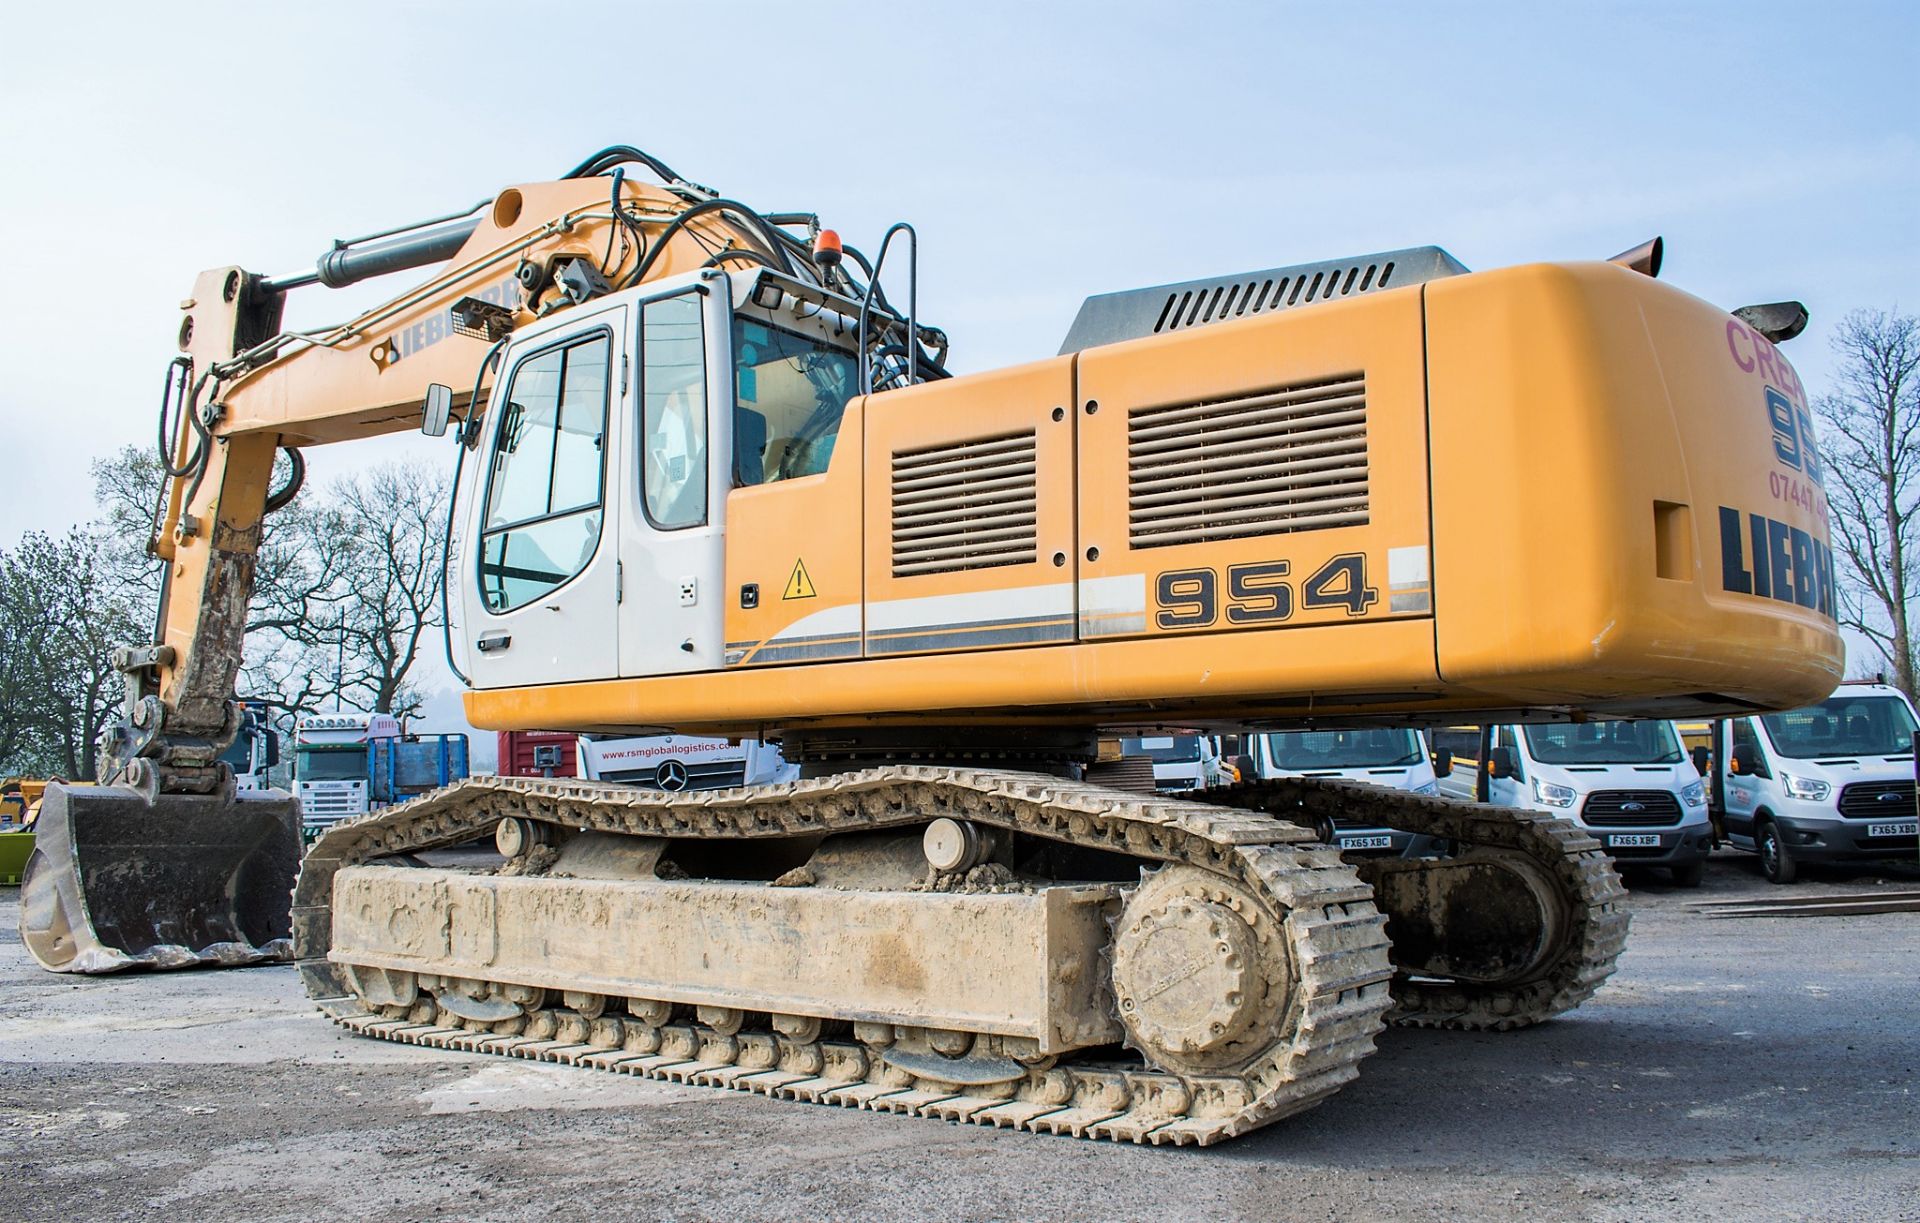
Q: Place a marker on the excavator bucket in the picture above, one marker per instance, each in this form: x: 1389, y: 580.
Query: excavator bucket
x: 187, y: 880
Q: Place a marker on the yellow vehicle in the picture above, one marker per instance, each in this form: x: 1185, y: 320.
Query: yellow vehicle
x: 19, y: 805
x: 712, y: 481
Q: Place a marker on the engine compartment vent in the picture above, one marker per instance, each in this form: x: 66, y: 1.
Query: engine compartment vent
x: 1110, y: 318
x: 965, y: 505
x: 1289, y: 459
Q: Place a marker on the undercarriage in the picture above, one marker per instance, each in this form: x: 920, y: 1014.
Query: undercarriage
x: 1007, y: 948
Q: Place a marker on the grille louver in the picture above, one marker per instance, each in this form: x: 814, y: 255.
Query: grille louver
x: 1192, y: 307
x: 965, y: 505
x: 1290, y: 459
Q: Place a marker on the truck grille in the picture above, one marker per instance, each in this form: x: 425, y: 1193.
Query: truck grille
x: 965, y: 505
x: 1862, y: 801
x: 706, y: 775
x: 1289, y: 459
x: 1611, y: 809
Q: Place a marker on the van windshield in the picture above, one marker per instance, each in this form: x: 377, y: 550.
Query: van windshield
x: 1604, y: 743
x: 1843, y: 726
x: 1305, y: 750
x: 1164, y: 749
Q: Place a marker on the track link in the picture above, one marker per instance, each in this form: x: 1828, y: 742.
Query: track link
x: 1328, y: 929
x: 1597, y: 919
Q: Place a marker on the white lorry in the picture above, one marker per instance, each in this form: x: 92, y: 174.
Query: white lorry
x: 331, y: 775
x: 1831, y: 783
x: 1629, y: 784
x: 1398, y: 759
x: 255, y: 750
x: 682, y: 762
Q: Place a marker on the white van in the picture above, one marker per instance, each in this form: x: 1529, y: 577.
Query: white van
x: 683, y: 762
x: 1398, y: 759
x: 1829, y: 783
x: 1181, y: 763
x: 1629, y: 784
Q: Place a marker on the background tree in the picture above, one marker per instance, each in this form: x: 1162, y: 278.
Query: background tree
x: 1870, y: 441
x: 345, y: 598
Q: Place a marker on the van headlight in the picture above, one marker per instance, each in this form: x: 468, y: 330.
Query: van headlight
x: 1695, y: 794
x: 1427, y: 787
x: 1554, y: 795
x: 1805, y: 787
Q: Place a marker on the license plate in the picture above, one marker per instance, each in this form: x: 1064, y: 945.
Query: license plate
x: 1893, y: 830
x: 1366, y: 842
x: 1635, y: 840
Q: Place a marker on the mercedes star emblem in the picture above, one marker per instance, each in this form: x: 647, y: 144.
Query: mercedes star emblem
x: 672, y: 775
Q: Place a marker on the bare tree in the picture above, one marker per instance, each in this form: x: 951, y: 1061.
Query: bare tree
x: 1870, y: 442
x: 392, y: 524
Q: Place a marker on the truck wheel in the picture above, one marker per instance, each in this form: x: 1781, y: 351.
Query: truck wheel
x: 1775, y: 858
x: 1690, y: 875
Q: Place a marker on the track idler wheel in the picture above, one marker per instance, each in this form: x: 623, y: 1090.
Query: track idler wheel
x: 1201, y: 973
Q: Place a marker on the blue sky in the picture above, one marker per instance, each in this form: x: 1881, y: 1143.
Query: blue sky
x: 1044, y: 153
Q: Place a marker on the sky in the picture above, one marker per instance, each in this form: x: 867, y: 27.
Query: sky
x: 1043, y: 152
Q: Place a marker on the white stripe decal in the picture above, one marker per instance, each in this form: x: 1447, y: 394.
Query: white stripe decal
x: 947, y: 611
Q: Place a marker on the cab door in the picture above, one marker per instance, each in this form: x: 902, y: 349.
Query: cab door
x: 673, y: 498
x: 1511, y: 790
x: 541, y: 576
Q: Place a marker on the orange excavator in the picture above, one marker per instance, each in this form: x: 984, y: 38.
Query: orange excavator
x: 712, y: 480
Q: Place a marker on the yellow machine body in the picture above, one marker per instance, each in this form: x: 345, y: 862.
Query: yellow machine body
x: 1554, y: 489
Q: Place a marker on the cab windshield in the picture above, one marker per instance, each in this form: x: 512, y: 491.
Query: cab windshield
x: 790, y: 391
x: 1164, y: 749
x: 1604, y: 743
x: 340, y: 764
x: 1843, y: 726
x: 1306, y: 750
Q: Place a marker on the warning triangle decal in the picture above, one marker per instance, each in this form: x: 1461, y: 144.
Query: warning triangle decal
x: 799, y: 586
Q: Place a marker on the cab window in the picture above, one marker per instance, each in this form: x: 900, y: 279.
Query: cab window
x: 1746, y: 743
x: 790, y: 392
x: 673, y: 427
x: 544, y: 484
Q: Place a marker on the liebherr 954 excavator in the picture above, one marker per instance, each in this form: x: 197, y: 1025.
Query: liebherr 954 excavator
x: 712, y: 480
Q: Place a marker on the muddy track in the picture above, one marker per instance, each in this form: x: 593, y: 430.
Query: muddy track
x: 1322, y: 950
x: 1596, y: 915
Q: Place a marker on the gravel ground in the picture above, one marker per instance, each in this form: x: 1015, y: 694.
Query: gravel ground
x: 1751, y: 1069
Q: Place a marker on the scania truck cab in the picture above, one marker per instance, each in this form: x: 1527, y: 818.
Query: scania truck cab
x: 1629, y: 784
x: 1398, y: 759
x: 1831, y: 783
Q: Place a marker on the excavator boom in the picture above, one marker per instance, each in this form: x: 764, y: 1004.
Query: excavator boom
x: 162, y: 866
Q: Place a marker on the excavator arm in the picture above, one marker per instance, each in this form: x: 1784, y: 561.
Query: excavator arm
x: 165, y: 865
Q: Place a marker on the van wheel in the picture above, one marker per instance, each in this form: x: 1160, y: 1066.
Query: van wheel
x: 1775, y: 858
x: 1323, y: 832
x: 1690, y: 875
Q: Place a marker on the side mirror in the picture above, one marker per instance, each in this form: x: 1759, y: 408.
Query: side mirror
x: 273, y: 749
x: 438, y: 410
x: 1701, y: 759
x: 1744, y: 764
x: 1442, y: 763
x: 1500, y: 762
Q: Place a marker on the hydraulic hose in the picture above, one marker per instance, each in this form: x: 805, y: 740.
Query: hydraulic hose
x: 767, y: 231
x: 607, y: 158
